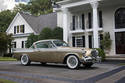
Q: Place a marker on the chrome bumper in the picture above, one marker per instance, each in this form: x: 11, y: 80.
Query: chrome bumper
x: 89, y: 59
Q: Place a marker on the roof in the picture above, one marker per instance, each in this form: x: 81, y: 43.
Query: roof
x: 37, y: 23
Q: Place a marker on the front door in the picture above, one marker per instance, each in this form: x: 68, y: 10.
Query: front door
x: 120, y: 42
x: 120, y: 31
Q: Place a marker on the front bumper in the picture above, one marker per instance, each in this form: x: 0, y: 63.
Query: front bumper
x: 89, y: 59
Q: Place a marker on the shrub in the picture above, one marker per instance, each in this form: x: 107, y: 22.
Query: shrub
x: 101, y: 54
x: 57, y: 33
x: 106, y: 42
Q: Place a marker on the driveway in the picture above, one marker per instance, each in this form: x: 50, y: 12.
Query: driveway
x: 58, y: 73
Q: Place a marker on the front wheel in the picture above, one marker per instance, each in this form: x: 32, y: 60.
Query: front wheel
x: 25, y: 60
x: 73, y: 62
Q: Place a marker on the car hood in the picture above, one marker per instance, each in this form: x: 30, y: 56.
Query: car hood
x: 76, y: 49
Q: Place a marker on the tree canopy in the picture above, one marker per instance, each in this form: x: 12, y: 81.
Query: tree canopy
x: 5, y: 42
x: 46, y: 33
x: 6, y: 18
x: 36, y: 7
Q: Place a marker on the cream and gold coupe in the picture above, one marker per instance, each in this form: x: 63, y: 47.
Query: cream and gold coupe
x: 57, y: 51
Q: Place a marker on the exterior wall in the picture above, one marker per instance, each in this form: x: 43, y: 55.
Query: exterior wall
x: 19, y: 41
x: 108, y: 23
x: 17, y: 37
x: 20, y: 21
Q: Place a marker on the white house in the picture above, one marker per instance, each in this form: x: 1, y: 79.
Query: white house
x: 10, y: 4
x: 24, y: 24
x: 85, y: 21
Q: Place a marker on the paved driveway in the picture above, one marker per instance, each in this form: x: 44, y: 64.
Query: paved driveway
x: 58, y: 73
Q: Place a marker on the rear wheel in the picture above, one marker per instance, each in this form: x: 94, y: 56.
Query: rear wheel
x: 73, y: 62
x: 25, y: 60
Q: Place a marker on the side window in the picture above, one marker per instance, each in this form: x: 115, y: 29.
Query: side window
x: 32, y: 46
x: 44, y: 45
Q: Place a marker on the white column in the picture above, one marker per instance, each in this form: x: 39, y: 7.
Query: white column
x: 65, y: 25
x: 94, y: 5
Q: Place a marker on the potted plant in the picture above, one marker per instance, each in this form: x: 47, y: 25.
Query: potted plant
x: 106, y: 42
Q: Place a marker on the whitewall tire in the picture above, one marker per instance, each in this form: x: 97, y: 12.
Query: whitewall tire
x: 25, y: 60
x: 73, y: 62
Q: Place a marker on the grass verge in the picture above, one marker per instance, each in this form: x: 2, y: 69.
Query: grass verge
x: 5, y: 81
x: 7, y: 59
x: 122, y: 64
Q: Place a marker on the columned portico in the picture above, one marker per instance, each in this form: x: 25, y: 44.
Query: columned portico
x: 65, y: 25
x: 94, y: 5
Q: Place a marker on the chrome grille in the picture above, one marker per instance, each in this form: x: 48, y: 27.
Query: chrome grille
x: 94, y: 53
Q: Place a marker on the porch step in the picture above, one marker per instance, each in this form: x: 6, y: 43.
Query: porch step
x: 116, y: 58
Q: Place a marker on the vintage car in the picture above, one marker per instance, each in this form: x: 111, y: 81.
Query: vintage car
x: 57, y: 51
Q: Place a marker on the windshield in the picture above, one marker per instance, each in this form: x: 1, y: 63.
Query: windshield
x: 60, y: 43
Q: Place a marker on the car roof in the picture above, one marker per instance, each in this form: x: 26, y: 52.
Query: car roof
x: 45, y: 40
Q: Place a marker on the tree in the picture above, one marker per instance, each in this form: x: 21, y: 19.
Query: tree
x: 57, y: 33
x: 5, y: 42
x: 21, y: 7
x: 36, y: 7
x: 31, y: 39
x: 46, y: 33
x: 6, y: 18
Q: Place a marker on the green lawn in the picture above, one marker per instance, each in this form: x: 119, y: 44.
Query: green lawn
x: 5, y: 81
x: 122, y: 64
x: 7, y: 59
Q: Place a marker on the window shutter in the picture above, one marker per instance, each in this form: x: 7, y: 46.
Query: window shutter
x: 83, y: 38
x: 83, y: 21
x: 73, y: 23
x: 73, y: 41
x: 90, y: 20
x: 23, y: 28
x: 90, y: 41
x: 14, y: 29
x: 100, y: 19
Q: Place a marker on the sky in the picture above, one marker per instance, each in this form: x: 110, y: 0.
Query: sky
x: 2, y: 5
x: 9, y: 4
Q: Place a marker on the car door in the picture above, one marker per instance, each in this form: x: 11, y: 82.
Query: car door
x: 45, y: 51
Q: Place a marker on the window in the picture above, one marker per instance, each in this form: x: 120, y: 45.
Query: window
x: 22, y: 28
x: 89, y: 20
x: 100, y: 19
x: 83, y: 21
x: 78, y: 41
x: 19, y: 29
x: 120, y: 18
x: 23, y: 44
x: 44, y: 45
x: 14, y: 44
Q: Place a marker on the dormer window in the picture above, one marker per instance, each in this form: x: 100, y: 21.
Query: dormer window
x: 19, y: 29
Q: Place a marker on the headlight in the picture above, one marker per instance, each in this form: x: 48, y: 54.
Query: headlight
x: 84, y: 52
